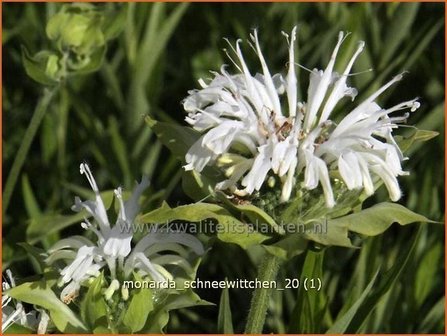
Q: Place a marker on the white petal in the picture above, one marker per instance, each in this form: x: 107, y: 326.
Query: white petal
x: 287, y: 187
x: 117, y: 244
x: 320, y: 84
x: 390, y: 182
x: 291, y: 81
x: 198, y: 156
x: 261, y: 166
x: 340, y: 89
x: 267, y: 77
x: 350, y: 170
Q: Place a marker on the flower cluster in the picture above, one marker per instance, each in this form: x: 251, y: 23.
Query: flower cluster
x: 254, y: 127
x: 113, y: 248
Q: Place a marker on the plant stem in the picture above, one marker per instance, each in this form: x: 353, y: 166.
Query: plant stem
x: 30, y: 133
x: 268, y: 270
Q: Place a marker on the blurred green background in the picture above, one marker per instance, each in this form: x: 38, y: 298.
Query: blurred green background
x: 148, y: 69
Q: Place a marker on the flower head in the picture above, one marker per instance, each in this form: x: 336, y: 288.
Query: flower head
x: 254, y: 127
x: 113, y: 249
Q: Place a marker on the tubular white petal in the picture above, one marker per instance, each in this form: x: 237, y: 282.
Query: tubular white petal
x: 287, y: 187
x: 339, y: 90
x: 262, y: 164
x: 267, y: 77
x: 99, y: 209
x: 390, y: 181
x: 314, y: 101
x: 74, y: 242
x: 198, y: 156
x: 356, y: 114
x: 292, y: 83
x: 349, y: 169
x: 252, y: 93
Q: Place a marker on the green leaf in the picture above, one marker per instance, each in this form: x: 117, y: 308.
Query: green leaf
x: 224, y: 319
x: 159, y: 317
x: 332, y: 233
x: 93, y: 306
x: 179, y: 139
x: 256, y: 215
x: 36, y: 254
x: 114, y: 22
x: 433, y: 322
x: 40, y: 294
x: 36, y: 67
x: 398, y: 30
x: 119, y: 147
x: 376, y: 219
x: 17, y: 329
x: 197, y: 186
x: 426, y: 272
x: 46, y: 224
x: 140, y: 306
x: 388, y: 280
x: 288, y: 247
x: 370, y: 222
x: 340, y: 326
x: 31, y: 205
x: 405, y: 143
x: 228, y: 228
x: 311, y: 304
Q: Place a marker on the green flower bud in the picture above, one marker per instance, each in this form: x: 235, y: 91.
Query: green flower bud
x: 114, y: 286
x: 78, y: 28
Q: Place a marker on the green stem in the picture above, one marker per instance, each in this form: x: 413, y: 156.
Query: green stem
x: 268, y: 270
x: 19, y: 160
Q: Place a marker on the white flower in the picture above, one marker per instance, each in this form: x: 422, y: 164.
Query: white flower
x: 13, y: 311
x: 254, y: 127
x: 113, y: 248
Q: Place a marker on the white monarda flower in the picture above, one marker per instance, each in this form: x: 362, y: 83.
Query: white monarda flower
x: 113, y: 248
x: 254, y: 127
x: 13, y: 311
